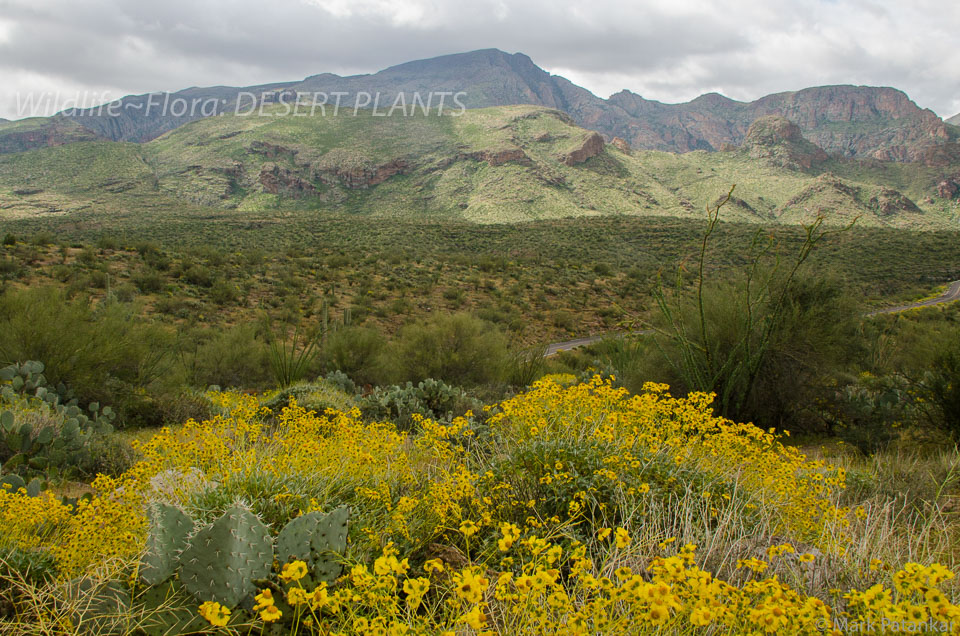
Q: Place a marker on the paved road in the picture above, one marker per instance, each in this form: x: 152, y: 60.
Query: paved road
x: 557, y: 347
x: 952, y: 294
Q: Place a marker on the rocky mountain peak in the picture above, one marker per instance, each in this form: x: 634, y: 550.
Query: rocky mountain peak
x: 853, y: 121
x: 780, y: 141
x: 771, y: 130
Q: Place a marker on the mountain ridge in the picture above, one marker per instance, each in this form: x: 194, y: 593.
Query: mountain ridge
x: 504, y: 164
x: 853, y: 121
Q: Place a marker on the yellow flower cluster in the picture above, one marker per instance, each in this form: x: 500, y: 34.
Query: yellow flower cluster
x: 636, y: 435
x: 671, y: 593
x: 535, y: 527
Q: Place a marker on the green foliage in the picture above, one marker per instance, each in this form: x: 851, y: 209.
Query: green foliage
x: 731, y: 336
x: 355, y: 351
x: 869, y: 412
x: 429, y: 398
x: 939, y: 388
x: 234, y: 357
x: 104, y: 353
x: 318, y: 396
x: 525, y: 365
x: 456, y: 348
x: 290, y: 360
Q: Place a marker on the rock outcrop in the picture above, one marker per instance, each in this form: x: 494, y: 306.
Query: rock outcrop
x: 591, y: 147
x: 279, y: 180
x: 499, y: 157
x: 340, y: 167
x: 41, y: 133
x: 888, y: 202
x: 948, y: 188
x: 622, y: 145
x: 779, y: 141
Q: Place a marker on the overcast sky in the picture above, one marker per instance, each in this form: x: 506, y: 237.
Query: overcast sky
x: 670, y: 50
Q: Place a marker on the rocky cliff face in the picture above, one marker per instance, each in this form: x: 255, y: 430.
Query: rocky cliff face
x: 854, y: 121
x: 591, y: 147
x: 31, y: 134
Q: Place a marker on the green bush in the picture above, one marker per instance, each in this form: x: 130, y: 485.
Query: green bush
x: 315, y: 396
x: 939, y: 388
x: 355, y: 351
x: 456, y: 348
x: 236, y: 357
x: 429, y: 398
x: 99, y: 351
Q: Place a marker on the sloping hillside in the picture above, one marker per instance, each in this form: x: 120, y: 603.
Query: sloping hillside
x: 505, y: 164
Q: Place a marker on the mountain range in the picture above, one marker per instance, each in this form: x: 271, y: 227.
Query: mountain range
x: 501, y: 164
x: 545, y: 149
x: 853, y: 121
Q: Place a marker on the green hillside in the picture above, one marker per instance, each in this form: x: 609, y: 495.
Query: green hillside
x: 494, y: 165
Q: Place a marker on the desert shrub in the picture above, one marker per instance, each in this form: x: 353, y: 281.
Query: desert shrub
x: 355, y: 351
x: 184, y: 404
x: 234, y: 357
x: 455, y: 348
x: 404, y: 405
x: 106, y: 455
x: 148, y: 282
x: 939, y: 388
x: 43, y: 238
x: 124, y: 293
x: 198, y: 275
x: 101, y: 352
x: 525, y: 365
x: 766, y: 339
x: 314, y: 396
x: 223, y: 293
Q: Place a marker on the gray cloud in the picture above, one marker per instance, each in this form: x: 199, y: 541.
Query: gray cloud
x: 671, y: 50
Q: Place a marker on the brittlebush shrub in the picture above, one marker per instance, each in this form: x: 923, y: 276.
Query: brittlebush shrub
x: 443, y: 537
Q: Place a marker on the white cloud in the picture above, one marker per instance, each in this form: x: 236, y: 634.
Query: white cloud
x: 670, y: 50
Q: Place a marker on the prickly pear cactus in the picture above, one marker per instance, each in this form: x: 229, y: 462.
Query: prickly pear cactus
x: 12, y: 483
x: 316, y: 539
x: 222, y: 561
x: 170, y: 528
